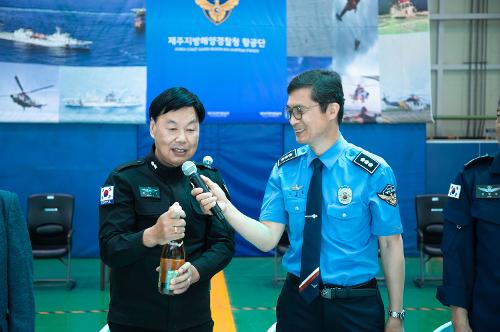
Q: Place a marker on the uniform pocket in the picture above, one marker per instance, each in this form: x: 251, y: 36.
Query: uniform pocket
x: 487, y: 210
x: 148, y: 211
x: 346, y: 221
x: 296, y: 208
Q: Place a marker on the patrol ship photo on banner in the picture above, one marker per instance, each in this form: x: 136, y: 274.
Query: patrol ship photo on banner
x: 57, y: 39
x: 109, y: 101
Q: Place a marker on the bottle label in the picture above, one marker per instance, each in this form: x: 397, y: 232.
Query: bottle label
x: 168, y: 271
x: 170, y: 275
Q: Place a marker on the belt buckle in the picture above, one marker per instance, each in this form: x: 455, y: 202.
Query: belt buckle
x: 330, y: 293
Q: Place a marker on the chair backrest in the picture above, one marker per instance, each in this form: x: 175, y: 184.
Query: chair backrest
x: 430, y: 217
x: 50, y: 218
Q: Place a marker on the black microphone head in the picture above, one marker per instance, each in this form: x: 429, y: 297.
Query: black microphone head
x: 189, y: 168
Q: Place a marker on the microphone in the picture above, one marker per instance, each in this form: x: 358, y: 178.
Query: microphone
x: 189, y: 169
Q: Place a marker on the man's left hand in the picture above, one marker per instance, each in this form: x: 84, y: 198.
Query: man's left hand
x: 394, y: 325
x: 186, y: 275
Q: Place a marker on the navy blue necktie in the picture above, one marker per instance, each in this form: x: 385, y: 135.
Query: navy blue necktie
x: 311, y: 245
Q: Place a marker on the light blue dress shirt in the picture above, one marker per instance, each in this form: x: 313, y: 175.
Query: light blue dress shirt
x: 355, y: 211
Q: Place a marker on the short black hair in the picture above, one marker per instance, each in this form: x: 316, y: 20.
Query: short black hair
x: 326, y: 88
x: 173, y: 99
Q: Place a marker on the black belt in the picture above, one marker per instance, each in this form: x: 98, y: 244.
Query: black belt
x: 331, y: 292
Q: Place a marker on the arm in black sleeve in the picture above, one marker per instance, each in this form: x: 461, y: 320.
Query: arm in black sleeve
x: 19, y: 269
x: 220, y: 243
x: 120, y: 244
x: 458, y: 249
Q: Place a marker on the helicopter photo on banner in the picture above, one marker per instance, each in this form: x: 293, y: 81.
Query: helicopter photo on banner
x: 29, y: 93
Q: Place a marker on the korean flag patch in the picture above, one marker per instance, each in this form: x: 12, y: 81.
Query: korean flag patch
x: 107, y: 194
x: 454, y: 191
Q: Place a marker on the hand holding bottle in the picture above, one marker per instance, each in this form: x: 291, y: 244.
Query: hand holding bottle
x: 187, y: 274
x: 169, y: 226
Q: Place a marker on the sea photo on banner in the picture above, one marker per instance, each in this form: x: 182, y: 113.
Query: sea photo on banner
x: 104, y: 39
x: 351, y: 37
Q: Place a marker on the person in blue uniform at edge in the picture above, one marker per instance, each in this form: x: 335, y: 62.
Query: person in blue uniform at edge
x: 332, y: 261
x: 147, y: 203
x: 17, y: 301
x: 471, y: 245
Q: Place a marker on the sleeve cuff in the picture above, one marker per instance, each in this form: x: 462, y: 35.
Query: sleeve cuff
x: 455, y: 296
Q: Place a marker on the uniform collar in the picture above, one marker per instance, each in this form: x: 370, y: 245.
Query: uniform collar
x: 495, y: 166
x: 331, y: 155
x: 158, y: 168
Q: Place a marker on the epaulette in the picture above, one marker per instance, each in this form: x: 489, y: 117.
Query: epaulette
x: 288, y: 156
x: 129, y: 164
x: 205, y: 166
x: 366, y: 162
x: 478, y: 160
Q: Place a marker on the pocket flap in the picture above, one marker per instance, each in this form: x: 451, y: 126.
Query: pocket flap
x: 353, y: 210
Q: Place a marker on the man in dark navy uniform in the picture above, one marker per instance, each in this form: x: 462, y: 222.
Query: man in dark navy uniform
x: 471, y: 245
x: 139, y: 212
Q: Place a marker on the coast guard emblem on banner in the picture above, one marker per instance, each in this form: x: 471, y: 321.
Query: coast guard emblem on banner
x: 216, y: 11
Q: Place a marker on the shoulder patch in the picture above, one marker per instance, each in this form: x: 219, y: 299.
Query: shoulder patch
x: 287, y: 157
x: 478, y: 160
x: 129, y: 164
x: 366, y: 162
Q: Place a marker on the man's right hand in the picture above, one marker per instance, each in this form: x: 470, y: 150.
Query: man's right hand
x: 169, y: 226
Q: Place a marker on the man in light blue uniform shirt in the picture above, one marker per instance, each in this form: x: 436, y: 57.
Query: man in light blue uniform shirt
x: 351, y: 225
x: 339, y: 206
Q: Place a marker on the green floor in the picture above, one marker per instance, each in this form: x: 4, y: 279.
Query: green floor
x: 253, y: 297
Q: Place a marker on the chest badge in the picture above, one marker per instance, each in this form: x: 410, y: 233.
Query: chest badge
x: 296, y: 187
x: 345, y: 195
x: 149, y: 192
x: 488, y: 191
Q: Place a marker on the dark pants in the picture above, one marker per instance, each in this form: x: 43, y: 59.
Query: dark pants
x: 293, y: 314
x: 113, y: 327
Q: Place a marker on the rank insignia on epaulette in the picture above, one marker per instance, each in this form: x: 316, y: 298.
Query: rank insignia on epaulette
x: 367, y: 163
x: 388, y: 195
x: 287, y: 157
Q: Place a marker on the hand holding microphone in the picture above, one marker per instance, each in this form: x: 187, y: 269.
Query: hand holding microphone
x: 189, y: 169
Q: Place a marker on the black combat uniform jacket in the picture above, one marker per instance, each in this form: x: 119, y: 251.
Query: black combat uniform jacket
x: 471, y: 244
x: 143, y: 190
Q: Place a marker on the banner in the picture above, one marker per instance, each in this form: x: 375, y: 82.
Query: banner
x: 69, y: 61
x: 86, y: 61
x: 232, y: 54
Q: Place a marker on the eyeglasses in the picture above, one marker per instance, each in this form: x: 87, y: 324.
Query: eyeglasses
x: 297, y: 111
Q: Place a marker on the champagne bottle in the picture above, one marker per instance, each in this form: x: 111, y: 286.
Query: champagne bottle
x: 173, y: 256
